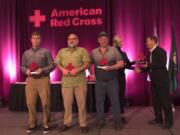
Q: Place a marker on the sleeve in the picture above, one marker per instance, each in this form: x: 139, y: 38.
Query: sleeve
x: 50, y: 64
x: 24, y: 64
x: 58, y: 58
x: 85, y: 56
x: 91, y: 58
x: 128, y: 63
x: 144, y: 69
x: 117, y: 54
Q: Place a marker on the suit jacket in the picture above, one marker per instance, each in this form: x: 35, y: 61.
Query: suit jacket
x: 157, y: 68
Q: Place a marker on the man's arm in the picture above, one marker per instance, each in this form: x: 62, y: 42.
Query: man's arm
x: 128, y: 63
x: 24, y: 65
x: 91, y: 68
x: 119, y: 61
x: 63, y: 70
x: 144, y: 69
x: 84, y: 67
x: 80, y: 69
x: 119, y: 64
x: 58, y: 60
x: 50, y: 67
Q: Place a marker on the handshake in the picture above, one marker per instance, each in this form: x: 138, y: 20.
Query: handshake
x: 142, y: 65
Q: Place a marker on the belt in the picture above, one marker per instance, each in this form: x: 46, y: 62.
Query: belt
x: 38, y: 76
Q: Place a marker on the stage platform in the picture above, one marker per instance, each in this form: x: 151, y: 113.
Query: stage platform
x: 17, y: 99
x: 15, y: 123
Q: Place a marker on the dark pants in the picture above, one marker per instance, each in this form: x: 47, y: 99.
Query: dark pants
x: 161, y: 100
x: 110, y: 88
x: 122, y: 91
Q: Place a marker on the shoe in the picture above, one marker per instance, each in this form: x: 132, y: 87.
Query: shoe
x: 167, y: 126
x: 117, y: 126
x: 64, y: 128
x: 123, y: 120
x: 154, y: 122
x: 84, y: 130
x: 31, y: 129
x: 46, y: 130
x: 100, y: 125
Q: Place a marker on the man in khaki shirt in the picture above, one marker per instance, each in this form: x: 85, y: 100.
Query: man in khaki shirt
x: 72, y: 62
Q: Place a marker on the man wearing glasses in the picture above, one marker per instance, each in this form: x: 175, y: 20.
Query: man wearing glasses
x: 72, y: 62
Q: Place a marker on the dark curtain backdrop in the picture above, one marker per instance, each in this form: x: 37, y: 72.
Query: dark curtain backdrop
x: 132, y: 19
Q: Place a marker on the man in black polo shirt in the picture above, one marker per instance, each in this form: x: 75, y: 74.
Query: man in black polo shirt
x: 117, y: 42
x: 107, y: 60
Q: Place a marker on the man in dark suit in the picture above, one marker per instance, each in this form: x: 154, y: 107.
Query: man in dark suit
x: 117, y: 42
x: 156, y: 66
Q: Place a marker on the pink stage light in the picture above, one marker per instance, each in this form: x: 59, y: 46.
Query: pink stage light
x: 11, y: 68
x: 53, y: 75
x: 10, y: 62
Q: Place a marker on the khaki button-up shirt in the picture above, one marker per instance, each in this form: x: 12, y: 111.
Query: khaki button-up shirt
x: 76, y: 57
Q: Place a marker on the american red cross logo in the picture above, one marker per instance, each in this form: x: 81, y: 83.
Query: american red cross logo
x: 37, y: 18
x: 70, y: 67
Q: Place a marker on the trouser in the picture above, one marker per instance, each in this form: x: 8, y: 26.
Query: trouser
x: 112, y: 90
x: 35, y: 87
x: 122, y: 90
x: 161, y: 100
x: 80, y: 93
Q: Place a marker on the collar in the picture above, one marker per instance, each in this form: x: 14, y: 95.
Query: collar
x: 151, y: 50
x: 35, y: 49
x: 106, y: 48
x: 72, y: 49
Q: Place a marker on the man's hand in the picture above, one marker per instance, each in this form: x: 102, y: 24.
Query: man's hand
x: 39, y: 71
x: 93, y: 77
x: 28, y: 72
x: 107, y: 68
x: 73, y: 72
x: 137, y: 60
x: 145, y: 65
x: 65, y: 72
x: 137, y: 70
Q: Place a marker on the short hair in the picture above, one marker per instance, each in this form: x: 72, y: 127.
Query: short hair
x: 154, y: 38
x: 36, y: 33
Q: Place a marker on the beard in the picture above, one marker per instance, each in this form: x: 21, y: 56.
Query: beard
x: 71, y: 45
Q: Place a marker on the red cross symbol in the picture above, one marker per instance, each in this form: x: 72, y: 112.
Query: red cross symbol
x: 37, y: 18
x: 33, y: 66
x: 103, y: 61
x: 89, y: 78
x: 70, y: 67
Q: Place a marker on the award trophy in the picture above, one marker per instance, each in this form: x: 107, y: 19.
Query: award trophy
x: 33, y: 67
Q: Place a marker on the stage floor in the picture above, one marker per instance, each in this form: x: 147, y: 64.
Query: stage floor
x: 15, y: 123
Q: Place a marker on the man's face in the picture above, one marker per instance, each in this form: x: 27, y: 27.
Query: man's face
x: 118, y: 41
x: 73, y: 40
x: 150, y: 43
x: 36, y: 41
x: 103, y: 41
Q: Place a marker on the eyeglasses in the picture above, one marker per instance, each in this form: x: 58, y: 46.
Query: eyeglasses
x: 72, y: 38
